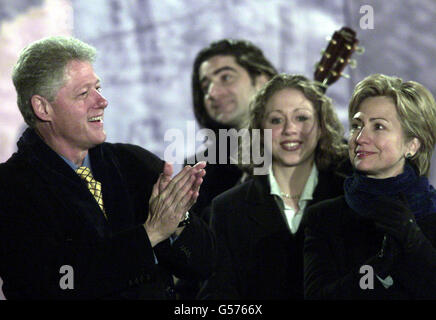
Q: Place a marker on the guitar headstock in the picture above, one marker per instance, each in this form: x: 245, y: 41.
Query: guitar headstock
x: 336, y: 56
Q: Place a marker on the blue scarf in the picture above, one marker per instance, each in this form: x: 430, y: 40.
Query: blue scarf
x: 361, y: 192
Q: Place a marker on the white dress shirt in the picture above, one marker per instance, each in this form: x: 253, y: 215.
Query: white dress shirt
x: 292, y: 217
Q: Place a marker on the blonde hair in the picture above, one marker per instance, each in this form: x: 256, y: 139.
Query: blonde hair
x: 415, y: 106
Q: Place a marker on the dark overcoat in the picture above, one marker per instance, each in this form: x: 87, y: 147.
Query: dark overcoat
x: 49, y: 219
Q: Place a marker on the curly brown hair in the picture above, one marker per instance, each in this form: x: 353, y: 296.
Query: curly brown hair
x: 331, y: 148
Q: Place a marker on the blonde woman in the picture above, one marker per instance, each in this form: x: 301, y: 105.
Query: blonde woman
x: 378, y: 240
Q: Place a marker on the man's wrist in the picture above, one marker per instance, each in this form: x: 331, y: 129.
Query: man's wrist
x: 153, y: 237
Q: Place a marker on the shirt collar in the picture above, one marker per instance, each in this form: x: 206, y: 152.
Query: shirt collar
x: 311, y: 184
x: 308, y: 190
x: 86, y: 163
x: 275, y: 189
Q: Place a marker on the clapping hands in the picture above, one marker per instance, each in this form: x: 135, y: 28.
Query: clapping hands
x: 171, y: 198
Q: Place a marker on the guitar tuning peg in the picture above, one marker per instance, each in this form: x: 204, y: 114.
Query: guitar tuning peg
x: 331, y: 40
x: 360, y: 50
x: 327, y: 55
x: 352, y: 63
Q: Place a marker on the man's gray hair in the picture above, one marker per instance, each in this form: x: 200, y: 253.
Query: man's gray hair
x: 40, y: 70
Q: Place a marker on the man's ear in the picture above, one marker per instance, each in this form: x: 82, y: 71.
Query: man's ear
x: 260, y: 81
x: 41, y: 107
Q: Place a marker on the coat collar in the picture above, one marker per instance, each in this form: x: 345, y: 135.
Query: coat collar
x: 267, y: 211
x: 258, y: 190
x: 264, y: 209
x: 51, y: 167
x: 38, y: 153
x: 330, y: 184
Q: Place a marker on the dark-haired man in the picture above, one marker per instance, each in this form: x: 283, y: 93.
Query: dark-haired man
x: 226, y: 75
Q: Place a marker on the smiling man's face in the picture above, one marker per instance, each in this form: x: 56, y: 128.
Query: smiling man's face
x: 227, y: 89
x: 76, y: 114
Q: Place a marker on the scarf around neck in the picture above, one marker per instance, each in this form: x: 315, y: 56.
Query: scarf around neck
x: 362, y: 192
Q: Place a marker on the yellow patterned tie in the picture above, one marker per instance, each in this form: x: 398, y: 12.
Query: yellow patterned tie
x: 93, y: 185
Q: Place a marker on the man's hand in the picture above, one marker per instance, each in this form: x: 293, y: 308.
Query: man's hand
x: 171, y: 198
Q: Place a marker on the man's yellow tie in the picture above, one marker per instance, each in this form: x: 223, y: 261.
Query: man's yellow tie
x: 93, y: 185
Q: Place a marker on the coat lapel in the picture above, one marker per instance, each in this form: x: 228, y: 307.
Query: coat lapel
x: 63, y: 184
x: 265, y: 210
x: 116, y: 199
